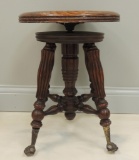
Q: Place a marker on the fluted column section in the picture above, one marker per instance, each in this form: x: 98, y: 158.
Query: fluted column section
x: 95, y: 70
x: 45, y: 69
x: 70, y: 73
x: 44, y: 75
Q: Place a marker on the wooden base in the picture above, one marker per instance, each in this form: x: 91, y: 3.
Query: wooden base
x: 70, y: 103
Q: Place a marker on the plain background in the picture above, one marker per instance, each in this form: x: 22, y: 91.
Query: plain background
x: 20, y: 52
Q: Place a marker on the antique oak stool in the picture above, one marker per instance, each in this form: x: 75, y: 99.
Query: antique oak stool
x: 70, y: 103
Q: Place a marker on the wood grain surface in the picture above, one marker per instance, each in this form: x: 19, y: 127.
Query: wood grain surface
x: 68, y: 17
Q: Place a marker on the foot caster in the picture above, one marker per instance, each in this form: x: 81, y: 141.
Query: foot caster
x: 112, y: 147
x: 30, y: 150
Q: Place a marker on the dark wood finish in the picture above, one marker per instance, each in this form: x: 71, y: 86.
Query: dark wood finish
x: 69, y: 26
x: 95, y: 71
x: 74, y: 37
x: 70, y: 71
x: 44, y: 74
x: 68, y: 17
x: 70, y: 103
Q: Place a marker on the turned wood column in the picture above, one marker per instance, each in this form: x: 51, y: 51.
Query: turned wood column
x: 43, y: 79
x: 44, y: 75
x: 70, y: 72
x: 95, y: 71
x: 44, y: 71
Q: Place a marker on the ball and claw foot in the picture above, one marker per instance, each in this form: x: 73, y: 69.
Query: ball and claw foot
x: 112, y: 147
x: 30, y: 150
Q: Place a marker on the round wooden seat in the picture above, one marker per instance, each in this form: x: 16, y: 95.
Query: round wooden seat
x: 69, y: 17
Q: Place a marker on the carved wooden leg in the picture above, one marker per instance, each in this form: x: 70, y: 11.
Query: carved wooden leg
x: 44, y: 75
x: 70, y: 72
x: 96, y: 77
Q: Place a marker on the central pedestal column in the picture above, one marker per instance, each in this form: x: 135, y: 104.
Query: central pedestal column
x: 70, y: 71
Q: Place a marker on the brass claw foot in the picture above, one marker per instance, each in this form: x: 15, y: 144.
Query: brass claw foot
x: 112, y: 147
x: 30, y: 150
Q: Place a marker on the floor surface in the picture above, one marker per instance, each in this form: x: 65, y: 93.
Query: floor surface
x: 59, y: 139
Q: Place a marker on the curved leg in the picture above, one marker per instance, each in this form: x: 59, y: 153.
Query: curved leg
x: 44, y: 75
x: 96, y: 77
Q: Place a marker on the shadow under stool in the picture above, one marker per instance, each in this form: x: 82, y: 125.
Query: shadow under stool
x: 69, y: 103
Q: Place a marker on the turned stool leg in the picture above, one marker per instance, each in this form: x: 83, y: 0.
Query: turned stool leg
x: 44, y: 75
x: 70, y: 72
x: 96, y: 77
